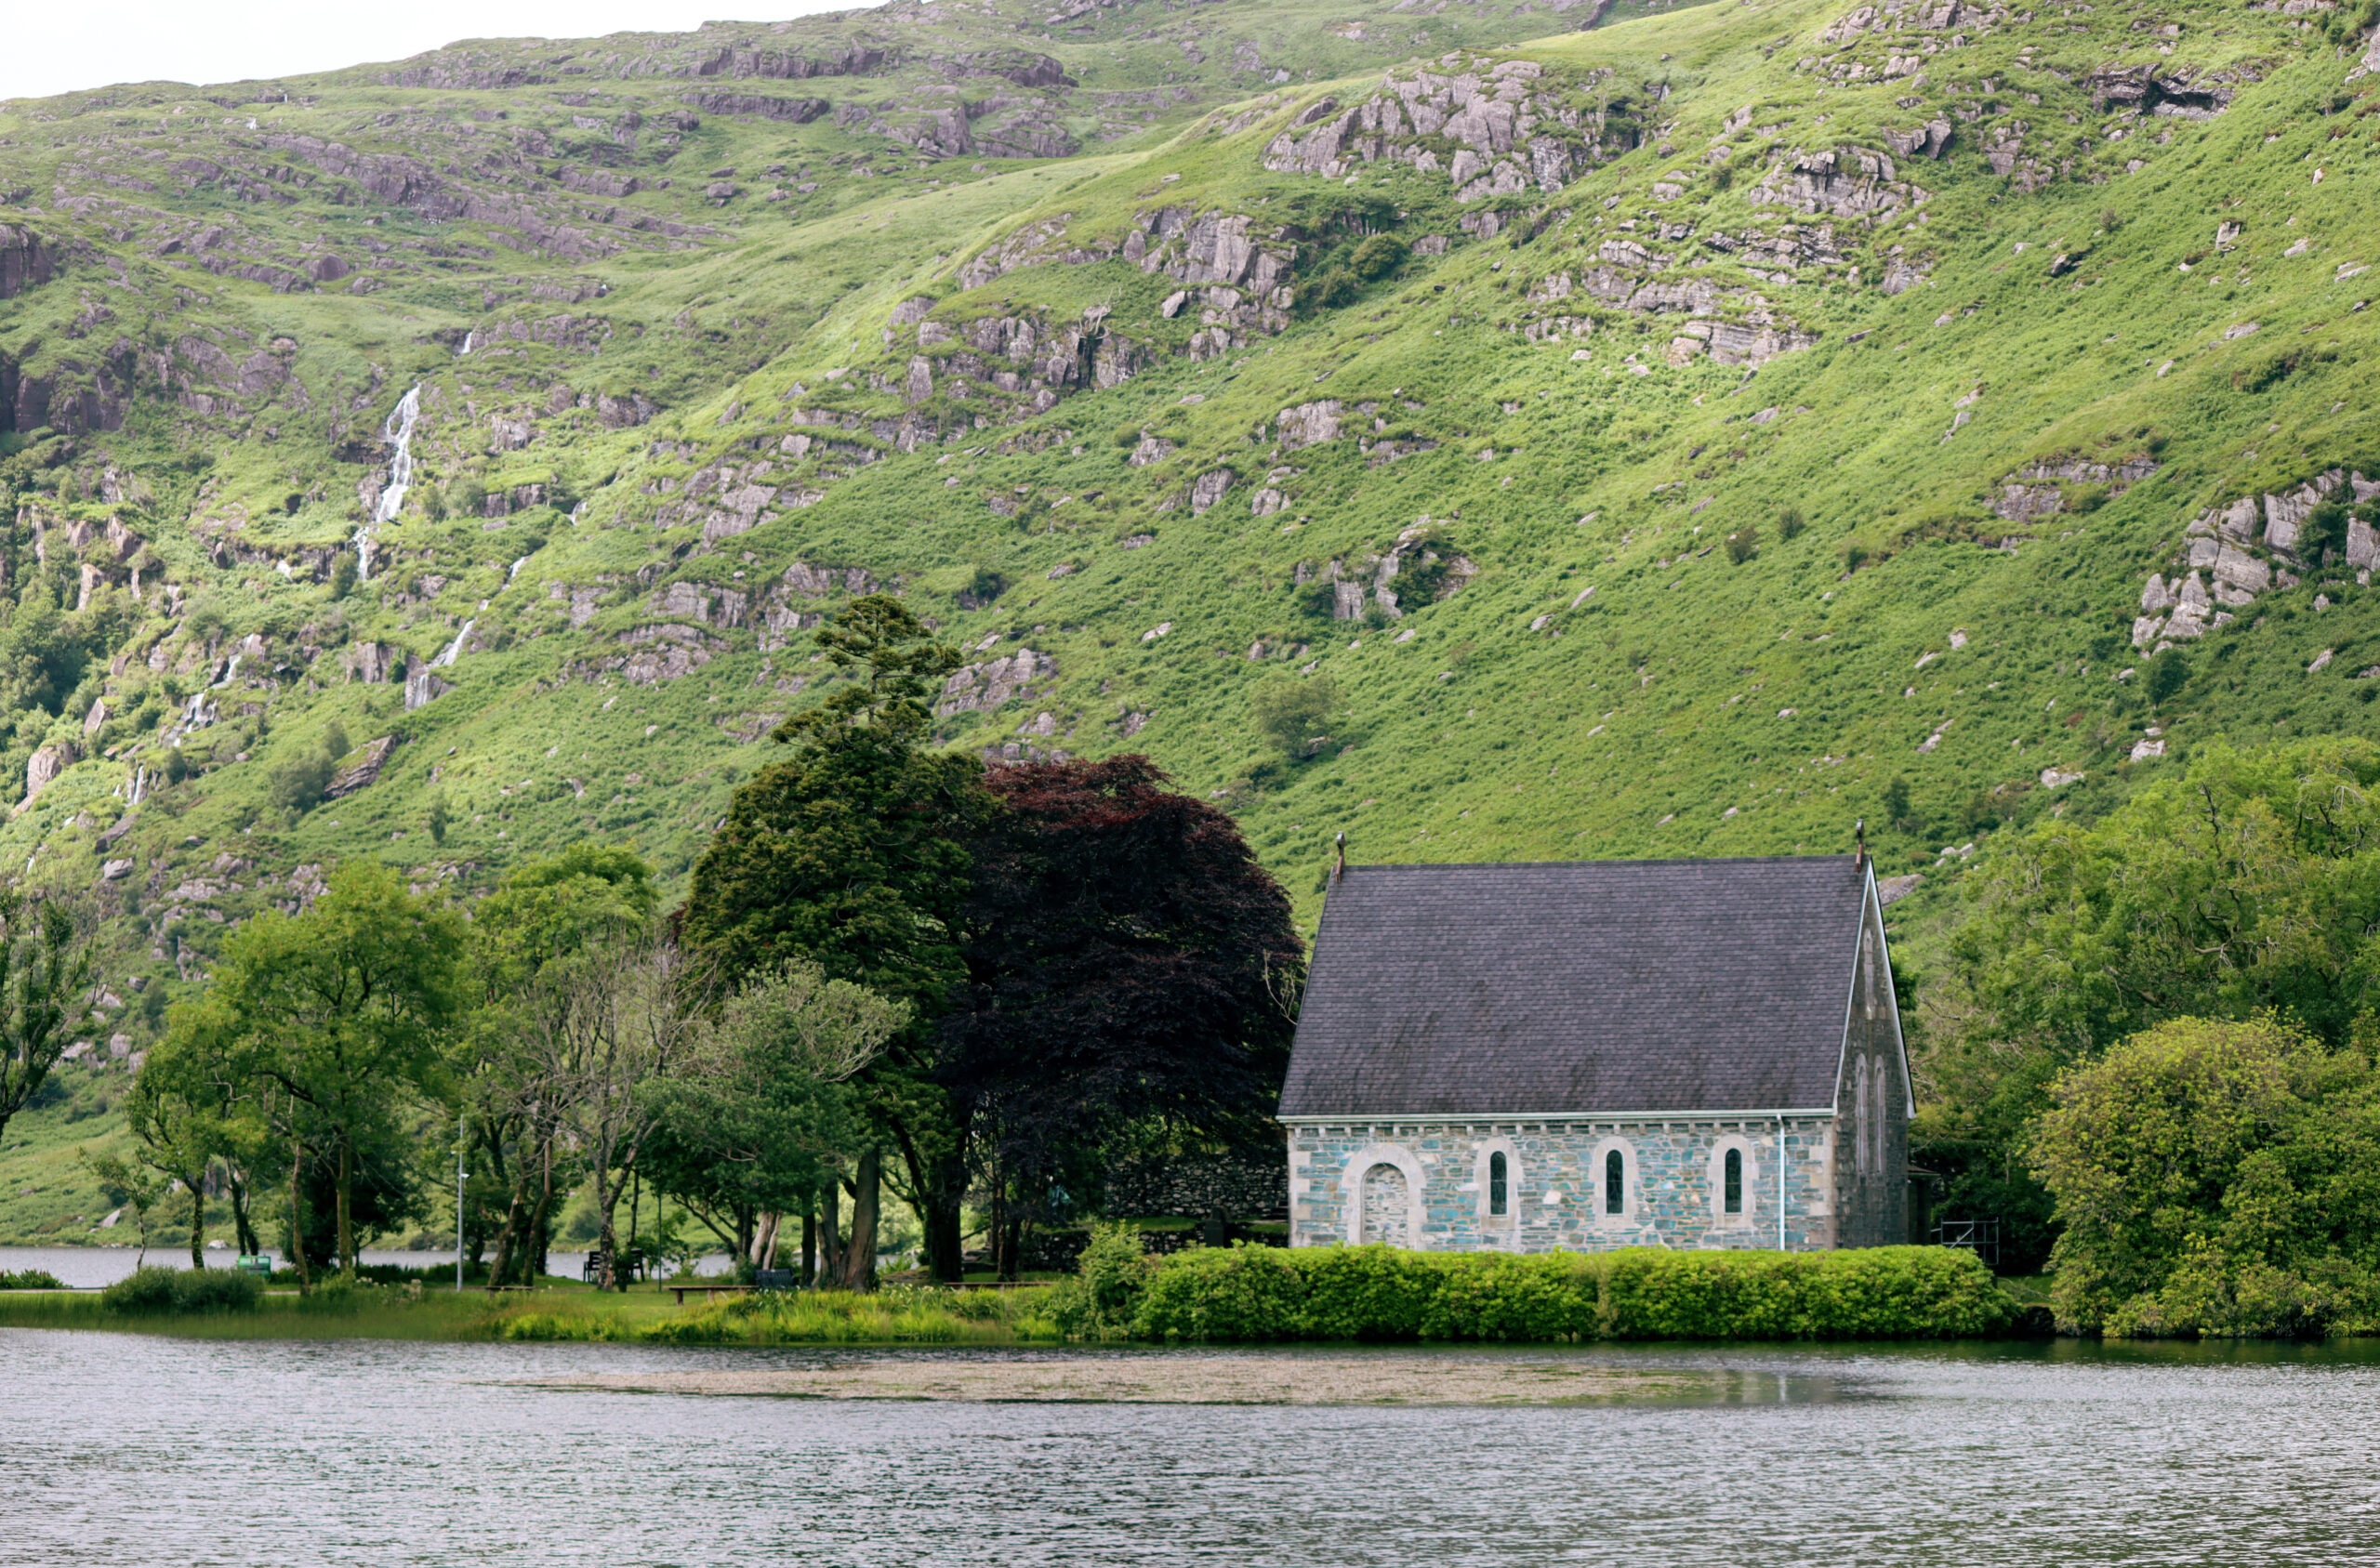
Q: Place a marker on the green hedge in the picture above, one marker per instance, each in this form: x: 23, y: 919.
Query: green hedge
x: 1257, y: 1293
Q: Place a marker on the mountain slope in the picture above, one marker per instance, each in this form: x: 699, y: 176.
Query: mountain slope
x: 1958, y: 320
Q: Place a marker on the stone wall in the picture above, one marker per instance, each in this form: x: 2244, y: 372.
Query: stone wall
x: 1673, y: 1173
x: 1198, y: 1186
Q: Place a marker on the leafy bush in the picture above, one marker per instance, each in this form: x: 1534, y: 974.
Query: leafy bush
x: 1110, y: 1279
x: 1337, y: 286
x: 1291, y: 710
x: 1743, y: 543
x: 1790, y: 522
x: 31, y: 1279
x: 1387, y: 1293
x: 2168, y: 672
x: 1377, y: 256
x: 155, y: 1290
x: 2215, y: 1178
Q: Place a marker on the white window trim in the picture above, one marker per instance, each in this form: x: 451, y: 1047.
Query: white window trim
x: 1510, y: 1219
x: 1718, y: 1183
x: 1351, y: 1184
x: 1630, y: 1178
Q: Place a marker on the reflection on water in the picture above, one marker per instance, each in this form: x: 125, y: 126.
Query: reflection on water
x: 121, y: 1449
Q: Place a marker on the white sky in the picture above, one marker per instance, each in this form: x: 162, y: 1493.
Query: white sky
x: 48, y: 47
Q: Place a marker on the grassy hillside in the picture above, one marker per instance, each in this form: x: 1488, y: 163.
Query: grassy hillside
x: 1761, y: 416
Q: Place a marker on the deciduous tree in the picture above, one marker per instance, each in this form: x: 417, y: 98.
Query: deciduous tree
x: 1131, y: 967
x: 852, y: 853
x: 2217, y: 1178
x: 2250, y: 884
x: 341, y: 1009
x: 44, y: 974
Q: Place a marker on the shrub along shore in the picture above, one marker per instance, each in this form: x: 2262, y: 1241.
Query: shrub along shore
x: 1218, y: 1295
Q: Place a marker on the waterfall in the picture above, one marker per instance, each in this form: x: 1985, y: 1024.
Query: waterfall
x: 455, y: 647
x: 516, y: 570
x: 229, y: 670
x: 398, y: 430
x: 467, y: 344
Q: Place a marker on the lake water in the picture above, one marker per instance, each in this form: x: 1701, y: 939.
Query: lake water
x: 125, y: 1449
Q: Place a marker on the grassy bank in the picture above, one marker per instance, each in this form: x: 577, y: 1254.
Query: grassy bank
x: 897, y: 1315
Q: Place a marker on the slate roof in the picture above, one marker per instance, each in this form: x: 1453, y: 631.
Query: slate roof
x: 1590, y: 986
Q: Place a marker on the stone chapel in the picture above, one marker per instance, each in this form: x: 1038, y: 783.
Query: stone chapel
x: 1586, y: 1055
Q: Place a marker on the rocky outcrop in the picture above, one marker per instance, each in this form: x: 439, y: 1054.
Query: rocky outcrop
x: 984, y: 686
x: 1209, y: 488
x: 2186, y: 94
x: 1844, y: 181
x: 1309, y: 424
x: 653, y: 654
x: 2236, y: 553
x: 762, y: 106
x: 1512, y: 130
x: 2037, y: 489
x: 779, y: 65
x: 364, y: 772
x: 372, y: 662
x: 26, y: 261
x: 46, y: 764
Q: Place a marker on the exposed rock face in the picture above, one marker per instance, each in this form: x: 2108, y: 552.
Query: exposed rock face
x: 26, y: 261
x: 986, y: 686
x: 657, y: 653
x: 2035, y: 490
x: 1309, y: 424
x: 364, y: 771
x: 2185, y: 94
x: 422, y: 688
x: 1847, y: 182
x: 1928, y: 140
x: 1512, y: 130
x: 1150, y: 450
x: 789, y: 111
x: 1209, y: 488
x: 46, y: 764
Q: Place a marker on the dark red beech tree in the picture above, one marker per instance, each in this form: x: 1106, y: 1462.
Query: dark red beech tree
x: 1132, y: 974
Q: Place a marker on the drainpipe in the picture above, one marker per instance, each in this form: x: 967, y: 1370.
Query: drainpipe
x: 1780, y: 1183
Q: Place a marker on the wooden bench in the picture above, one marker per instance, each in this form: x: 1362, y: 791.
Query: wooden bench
x: 727, y: 1287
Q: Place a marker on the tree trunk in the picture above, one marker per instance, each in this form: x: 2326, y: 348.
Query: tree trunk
x: 831, y: 1239
x: 533, y: 1267
x: 346, y: 1203
x: 859, y: 1257
x: 607, y: 1197
x: 809, y: 1239
x: 764, y: 1242
x: 298, y: 1216
x: 198, y: 1222
x: 235, y: 1187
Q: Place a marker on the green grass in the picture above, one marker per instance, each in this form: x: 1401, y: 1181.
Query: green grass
x: 897, y: 1315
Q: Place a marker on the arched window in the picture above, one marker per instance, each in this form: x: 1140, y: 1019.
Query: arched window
x: 1882, y: 1082
x: 1498, y: 1191
x: 1859, y: 1118
x: 1734, y: 1200
x: 1615, y: 1184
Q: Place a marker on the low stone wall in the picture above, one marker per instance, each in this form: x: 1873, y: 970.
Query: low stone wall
x: 1201, y: 1185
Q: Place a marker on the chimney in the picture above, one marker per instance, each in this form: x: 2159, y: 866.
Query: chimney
x: 1339, y: 868
x: 1860, y: 856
